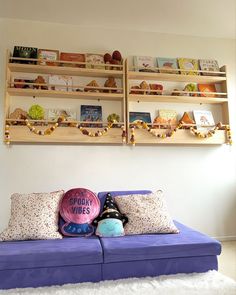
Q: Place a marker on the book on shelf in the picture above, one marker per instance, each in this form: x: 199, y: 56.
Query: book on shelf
x: 166, y: 119
x: 68, y: 114
x: 91, y: 113
x: 203, y: 119
x: 25, y: 52
x: 139, y: 116
x: 76, y: 57
x: 92, y: 59
x: 145, y: 64
x: 209, y: 65
x: 167, y: 65
x: 49, y: 56
x: 60, y: 82
x: 188, y: 66
x: 206, y: 88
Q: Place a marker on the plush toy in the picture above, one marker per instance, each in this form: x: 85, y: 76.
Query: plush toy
x: 114, y: 59
x: 94, y: 84
x: 18, y: 114
x: 191, y: 87
x: 113, y: 118
x: 156, y: 87
x: 133, y: 91
x: 110, y: 82
x: 110, y: 222
x: 40, y: 80
x: 36, y: 112
x: 144, y: 85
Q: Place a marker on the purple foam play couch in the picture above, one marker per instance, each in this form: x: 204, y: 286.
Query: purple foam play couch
x: 74, y: 260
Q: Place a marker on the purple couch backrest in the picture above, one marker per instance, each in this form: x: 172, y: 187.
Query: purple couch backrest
x: 102, y: 195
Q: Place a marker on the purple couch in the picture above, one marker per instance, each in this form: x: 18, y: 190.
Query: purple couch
x: 74, y: 260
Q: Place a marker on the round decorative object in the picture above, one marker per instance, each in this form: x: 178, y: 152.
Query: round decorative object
x: 79, y: 206
x: 36, y: 112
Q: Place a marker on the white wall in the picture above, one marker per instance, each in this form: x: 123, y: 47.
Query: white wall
x: 199, y: 181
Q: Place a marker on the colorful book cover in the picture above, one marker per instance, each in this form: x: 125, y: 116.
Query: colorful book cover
x: 145, y: 64
x: 76, y: 57
x: 49, y: 55
x: 167, y: 65
x: 60, y: 82
x: 54, y: 114
x: 209, y: 65
x: 93, y: 59
x: 25, y: 52
x: 139, y: 116
x: 188, y: 65
x: 206, y: 88
x: 91, y: 113
x: 203, y: 118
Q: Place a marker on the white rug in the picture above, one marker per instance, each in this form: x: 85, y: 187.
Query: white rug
x: 210, y: 283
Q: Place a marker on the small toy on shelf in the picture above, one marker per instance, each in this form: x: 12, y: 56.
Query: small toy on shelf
x: 186, y: 120
x: 113, y: 118
x: 114, y: 59
x: 175, y: 92
x: 18, y: 114
x: 111, y: 83
x: 40, y: 80
x: 132, y: 91
x: 144, y: 85
x: 36, y: 112
x: 191, y: 87
x: 92, y: 84
x: 157, y: 87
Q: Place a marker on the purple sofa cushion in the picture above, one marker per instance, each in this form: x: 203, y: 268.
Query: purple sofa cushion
x: 50, y: 253
x: 187, y: 243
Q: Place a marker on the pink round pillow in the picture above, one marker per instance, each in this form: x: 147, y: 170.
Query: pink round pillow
x: 79, y: 205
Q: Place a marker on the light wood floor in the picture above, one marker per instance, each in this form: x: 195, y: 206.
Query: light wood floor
x: 227, y: 259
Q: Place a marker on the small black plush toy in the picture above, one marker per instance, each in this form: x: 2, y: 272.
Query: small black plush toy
x: 110, y: 222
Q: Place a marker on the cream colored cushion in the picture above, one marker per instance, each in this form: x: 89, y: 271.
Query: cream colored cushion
x: 33, y: 216
x: 146, y: 213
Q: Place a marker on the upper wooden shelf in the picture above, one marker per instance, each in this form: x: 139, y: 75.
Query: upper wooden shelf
x: 177, y: 99
x: 65, y: 94
x: 175, y: 77
x: 64, y: 70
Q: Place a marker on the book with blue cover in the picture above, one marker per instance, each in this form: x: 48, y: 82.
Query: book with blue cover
x: 91, y: 113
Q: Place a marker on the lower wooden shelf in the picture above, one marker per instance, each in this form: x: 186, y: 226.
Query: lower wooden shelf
x: 183, y: 137
x: 64, y: 135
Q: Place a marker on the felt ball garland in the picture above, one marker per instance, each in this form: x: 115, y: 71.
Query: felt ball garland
x: 52, y: 128
x: 170, y: 133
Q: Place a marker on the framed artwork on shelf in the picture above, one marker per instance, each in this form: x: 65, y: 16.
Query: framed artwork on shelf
x: 188, y: 64
x: 54, y: 114
x: 92, y: 59
x: 139, y: 116
x: 209, y: 65
x: 25, y: 52
x: 49, y: 55
x: 76, y: 57
x: 167, y: 65
x: 91, y: 113
x: 145, y: 64
x: 203, y: 118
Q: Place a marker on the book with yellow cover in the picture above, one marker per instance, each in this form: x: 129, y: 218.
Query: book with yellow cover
x: 188, y: 66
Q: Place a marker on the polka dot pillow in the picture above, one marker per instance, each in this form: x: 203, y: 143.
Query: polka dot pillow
x: 146, y: 213
x: 33, y: 216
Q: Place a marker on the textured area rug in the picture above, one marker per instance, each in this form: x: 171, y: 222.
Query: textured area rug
x: 209, y: 283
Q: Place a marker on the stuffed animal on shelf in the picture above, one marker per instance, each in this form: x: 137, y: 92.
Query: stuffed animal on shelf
x: 157, y: 87
x: 94, y: 84
x: 113, y: 118
x: 114, y: 59
x: 111, y: 222
x: 18, y: 114
x: 191, y: 87
x: 144, y: 85
x: 133, y: 91
x: 36, y: 112
x: 40, y: 80
x: 110, y: 82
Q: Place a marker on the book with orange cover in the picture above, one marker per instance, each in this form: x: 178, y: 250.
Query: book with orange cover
x: 206, y: 88
x: 76, y: 57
